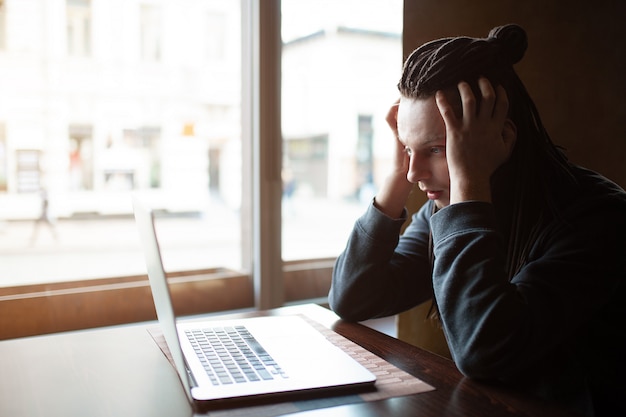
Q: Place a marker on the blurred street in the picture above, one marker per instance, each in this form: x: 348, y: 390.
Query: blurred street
x: 87, y: 248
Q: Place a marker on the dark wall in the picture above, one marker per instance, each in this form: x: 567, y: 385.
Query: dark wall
x: 574, y: 68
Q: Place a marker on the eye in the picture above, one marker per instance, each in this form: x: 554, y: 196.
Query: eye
x: 437, y: 149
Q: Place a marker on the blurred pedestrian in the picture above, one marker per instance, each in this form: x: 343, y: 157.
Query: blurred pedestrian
x: 44, y: 217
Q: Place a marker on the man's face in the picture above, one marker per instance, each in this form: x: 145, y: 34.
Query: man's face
x: 422, y: 131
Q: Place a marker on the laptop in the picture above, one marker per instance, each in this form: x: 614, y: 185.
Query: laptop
x: 251, y: 358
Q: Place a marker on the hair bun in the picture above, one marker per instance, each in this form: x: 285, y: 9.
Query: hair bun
x: 512, y: 42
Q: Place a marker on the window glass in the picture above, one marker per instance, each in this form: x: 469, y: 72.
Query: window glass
x: 2, y: 25
x: 101, y: 106
x: 107, y: 98
x: 339, y: 77
x: 150, y: 27
x: 3, y: 160
x: 78, y: 27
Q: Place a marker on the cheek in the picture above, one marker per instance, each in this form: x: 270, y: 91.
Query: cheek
x: 440, y: 170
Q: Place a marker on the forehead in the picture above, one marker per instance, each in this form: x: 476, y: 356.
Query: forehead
x: 419, y: 121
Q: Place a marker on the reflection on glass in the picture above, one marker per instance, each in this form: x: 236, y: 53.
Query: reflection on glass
x: 339, y: 77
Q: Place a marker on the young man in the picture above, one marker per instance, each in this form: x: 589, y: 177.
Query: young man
x: 523, y: 252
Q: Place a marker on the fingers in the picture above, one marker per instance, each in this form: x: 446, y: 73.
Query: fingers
x: 488, y: 99
x: 445, y: 109
x: 392, y: 117
x: 494, y: 103
x: 468, y: 101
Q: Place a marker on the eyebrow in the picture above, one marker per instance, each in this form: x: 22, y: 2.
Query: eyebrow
x: 430, y: 141
x: 427, y: 141
x: 434, y: 139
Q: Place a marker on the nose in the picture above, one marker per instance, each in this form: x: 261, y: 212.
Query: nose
x: 418, y: 170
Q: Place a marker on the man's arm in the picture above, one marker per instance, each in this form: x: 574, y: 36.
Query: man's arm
x: 380, y: 273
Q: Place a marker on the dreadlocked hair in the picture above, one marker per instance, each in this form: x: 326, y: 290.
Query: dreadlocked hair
x: 537, y: 169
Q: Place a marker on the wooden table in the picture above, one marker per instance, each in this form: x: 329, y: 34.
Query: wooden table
x: 120, y: 371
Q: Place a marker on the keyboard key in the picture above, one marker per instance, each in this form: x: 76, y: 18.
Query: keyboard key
x: 232, y: 355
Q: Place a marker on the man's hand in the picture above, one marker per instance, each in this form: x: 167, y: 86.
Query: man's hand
x: 401, y: 158
x: 392, y: 196
x: 478, y: 142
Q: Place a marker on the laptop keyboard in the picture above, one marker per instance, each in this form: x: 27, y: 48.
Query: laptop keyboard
x: 232, y: 355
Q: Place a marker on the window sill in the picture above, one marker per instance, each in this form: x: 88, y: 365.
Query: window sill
x: 55, y: 307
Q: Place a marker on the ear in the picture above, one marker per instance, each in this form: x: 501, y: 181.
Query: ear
x: 509, y: 135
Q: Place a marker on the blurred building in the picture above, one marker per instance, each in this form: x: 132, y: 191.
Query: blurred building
x: 100, y: 97
x: 338, y: 84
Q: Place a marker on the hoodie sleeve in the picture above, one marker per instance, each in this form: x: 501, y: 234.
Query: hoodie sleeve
x: 381, y: 273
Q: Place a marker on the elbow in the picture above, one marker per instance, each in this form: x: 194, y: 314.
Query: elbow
x: 342, y: 307
x: 345, y: 314
x: 342, y: 299
x: 474, y: 357
x: 485, y: 348
x: 481, y: 364
x: 349, y: 305
x: 470, y: 367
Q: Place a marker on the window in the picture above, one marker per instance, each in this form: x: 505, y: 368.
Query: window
x: 104, y: 128
x: 198, y: 134
x: 78, y: 28
x: 340, y: 72
x: 28, y: 175
x: 3, y: 159
x: 80, y: 157
x: 3, y: 25
x: 213, y: 39
x: 365, y: 159
x: 150, y: 26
